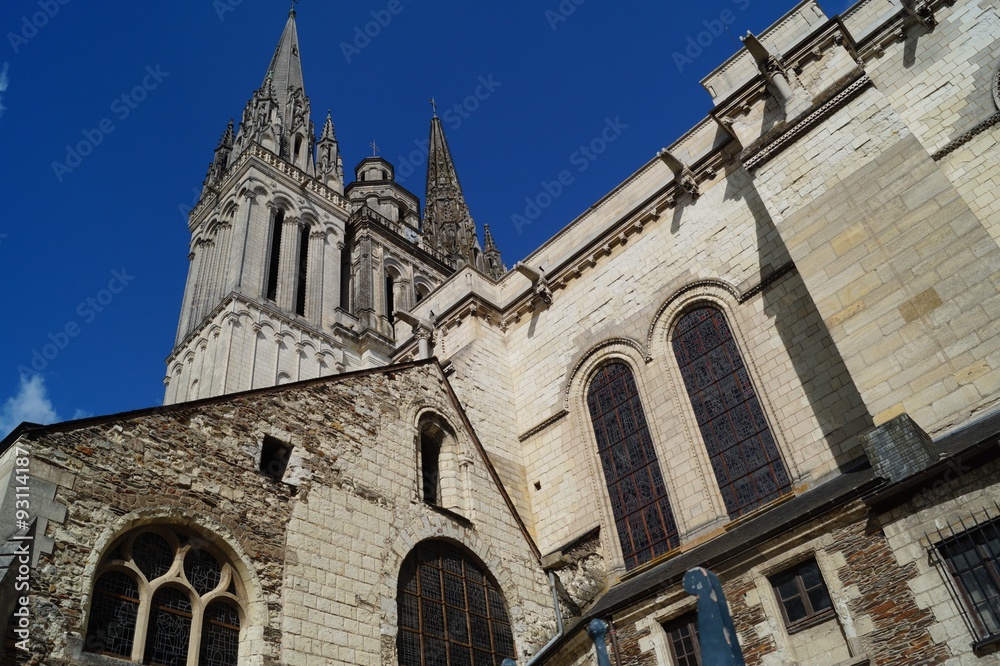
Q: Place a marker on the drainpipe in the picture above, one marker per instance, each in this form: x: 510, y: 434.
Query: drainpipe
x: 559, y: 622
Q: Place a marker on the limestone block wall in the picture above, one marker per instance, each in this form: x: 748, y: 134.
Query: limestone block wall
x: 943, y: 83
x: 246, y: 345
x: 900, y: 268
x: 319, y: 553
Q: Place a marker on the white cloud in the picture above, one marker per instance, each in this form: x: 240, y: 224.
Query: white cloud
x: 4, y: 82
x: 30, y: 404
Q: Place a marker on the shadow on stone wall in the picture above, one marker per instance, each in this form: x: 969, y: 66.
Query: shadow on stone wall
x: 829, y: 387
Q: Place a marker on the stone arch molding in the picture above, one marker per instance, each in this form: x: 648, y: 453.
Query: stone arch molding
x: 996, y: 88
x: 711, y: 292
x: 225, y: 541
x: 574, y: 393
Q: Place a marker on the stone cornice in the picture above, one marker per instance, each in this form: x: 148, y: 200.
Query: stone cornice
x: 303, y: 180
x: 769, y: 147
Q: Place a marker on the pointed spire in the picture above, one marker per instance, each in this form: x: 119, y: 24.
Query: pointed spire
x: 328, y: 130
x: 217, y: 168
x: 278, y: 115
x: 448, y: 225
x: 492, y: 262
x: 330, y: 166
x: 285, y: 70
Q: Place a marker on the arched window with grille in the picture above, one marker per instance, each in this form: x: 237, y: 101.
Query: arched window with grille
x: 743, y: 452
x: 451, y: 610
x: 161, y: 584
x: 643, y: 517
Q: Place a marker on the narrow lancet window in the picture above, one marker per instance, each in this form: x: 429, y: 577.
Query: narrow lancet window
x: 300, y: 286
x: 274, y: 256
x: 744, y: 455
x: 639, y: 501
x: 390, y: 298
x: 430, y: 471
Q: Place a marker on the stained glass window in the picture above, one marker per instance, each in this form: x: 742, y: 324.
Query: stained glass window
x: 169, y: 633
x: 639, y: 502
x: 220, y: 636
x: 112, y: 615
x: 162, y: 600
x: 743, y: 452
x: 451, y: 611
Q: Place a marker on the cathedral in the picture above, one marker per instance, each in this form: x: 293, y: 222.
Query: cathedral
x: 773, y: 351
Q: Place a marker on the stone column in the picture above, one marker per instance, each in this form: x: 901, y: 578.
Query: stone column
x: 314, y: 276
x: 288, y: 264
x: 238, y: 247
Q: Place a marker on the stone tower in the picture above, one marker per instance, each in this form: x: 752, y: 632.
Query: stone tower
x: 293, y: 275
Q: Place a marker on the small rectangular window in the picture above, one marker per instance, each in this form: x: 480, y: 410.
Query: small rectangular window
x: 274, y: 457
x: 682, y: 636
x: 802, y: 595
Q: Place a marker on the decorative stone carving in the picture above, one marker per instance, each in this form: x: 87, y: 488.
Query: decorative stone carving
x: 996, y: 89
x: 922, y: 11
x: 683, y: 176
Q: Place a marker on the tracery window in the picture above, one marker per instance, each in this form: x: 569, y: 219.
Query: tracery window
x: 743, y: 452
x: 451, y: 610
x: 639, y: 501
x: 177, y: 589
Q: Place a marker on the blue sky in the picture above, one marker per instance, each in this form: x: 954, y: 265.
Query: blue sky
x: 93, y: 246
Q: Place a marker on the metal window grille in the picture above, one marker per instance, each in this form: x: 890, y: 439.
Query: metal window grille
x: 969, y: 555
x: 451, y: 611
x: 682, y: 635
x: 744, y: 456
x: 802, y: 595
x: 639, y: 501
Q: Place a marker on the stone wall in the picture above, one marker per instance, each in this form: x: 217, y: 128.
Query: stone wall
x: 319, y: 552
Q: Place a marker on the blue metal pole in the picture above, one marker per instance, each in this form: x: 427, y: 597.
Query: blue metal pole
x: 716, y: 632
x: 598, y: 629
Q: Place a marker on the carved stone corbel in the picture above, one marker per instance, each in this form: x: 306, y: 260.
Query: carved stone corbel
x: 771, y: 67
x: 922, y: 11
x: 683, y: 176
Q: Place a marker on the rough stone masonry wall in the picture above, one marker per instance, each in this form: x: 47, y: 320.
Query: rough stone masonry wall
x: 876, y: 614
x: 959, y: 498
x: 321, y: 557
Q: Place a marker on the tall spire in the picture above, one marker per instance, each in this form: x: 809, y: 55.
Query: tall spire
x: 448, y: 225
x: 278, y: 115
x: 285, y: 70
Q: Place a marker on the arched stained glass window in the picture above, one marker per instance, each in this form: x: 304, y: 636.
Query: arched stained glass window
x: 639, y: 502
x: 220, y: 635
x: 451, y: 610
x: 169, y: 628
x: 744, y: 455
x: 144, y: 607
x: 113, y: 612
